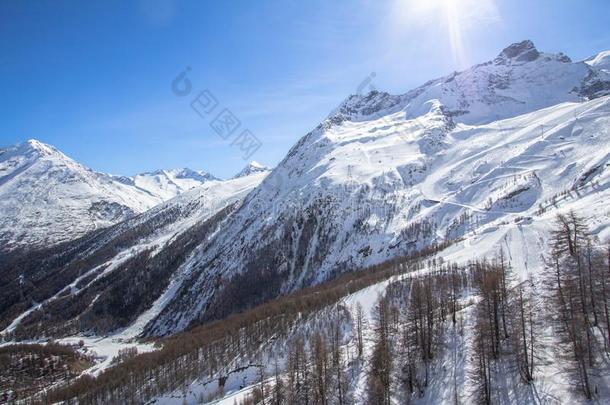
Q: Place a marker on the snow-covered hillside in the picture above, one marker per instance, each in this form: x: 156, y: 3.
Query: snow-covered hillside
x: 485, y: 151
x: 135, y: 262
x: 48, y: 198
x: 352, y: 324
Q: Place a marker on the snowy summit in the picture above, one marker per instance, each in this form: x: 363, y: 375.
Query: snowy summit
x: 251, y: 168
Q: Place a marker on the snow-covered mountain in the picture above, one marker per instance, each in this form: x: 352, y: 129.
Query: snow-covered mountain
x: 520, y: 79
x: 47, y: 198
x: 487, y: 150
x: 251, y: 168
x: 167, y: 184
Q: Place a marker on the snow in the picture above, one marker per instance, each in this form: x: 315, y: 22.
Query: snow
x: 105, y: 349
x: 600, y: 61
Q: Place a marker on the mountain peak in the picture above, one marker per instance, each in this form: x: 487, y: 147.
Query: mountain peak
x: 254, y: 163
x: 362, y: 106
x: 186, y: 173
x: 47, y: 197
x: 168, y: 183
x: 251, y: 168
x: 34, y: 145
x: 32, y: 150
x: 182, y: 173
x: 524, y: 51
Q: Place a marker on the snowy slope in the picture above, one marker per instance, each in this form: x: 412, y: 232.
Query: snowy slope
x: 476, y: 152
x: 144, y: 249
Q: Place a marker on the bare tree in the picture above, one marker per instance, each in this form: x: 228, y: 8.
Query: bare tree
x: 278, y: 387
x: 359, y: 325
x: 319, y: 357
x: 379, y: 380
x: 523, y: 341
x: 571, y: 295
x: 338, y: 366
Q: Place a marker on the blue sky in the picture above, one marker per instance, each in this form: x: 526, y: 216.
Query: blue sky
x: 94, y: 78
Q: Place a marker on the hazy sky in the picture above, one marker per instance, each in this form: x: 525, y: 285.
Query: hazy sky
x: 95, y: 78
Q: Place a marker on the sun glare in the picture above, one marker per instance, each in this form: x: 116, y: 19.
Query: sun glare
x: 456, y: 18
x: 454, y: 26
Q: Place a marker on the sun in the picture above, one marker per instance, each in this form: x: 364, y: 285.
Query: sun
x: 455, y: 18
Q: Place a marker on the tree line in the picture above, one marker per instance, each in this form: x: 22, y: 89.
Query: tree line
x: 204, y: 350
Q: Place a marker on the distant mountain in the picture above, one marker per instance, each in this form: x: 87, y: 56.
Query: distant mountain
x: 47, y: 198
x: 251, y: 168
x: 170, y: 183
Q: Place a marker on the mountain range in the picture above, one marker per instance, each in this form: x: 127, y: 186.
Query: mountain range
x: 47, y: 198
x: 480, y: 158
